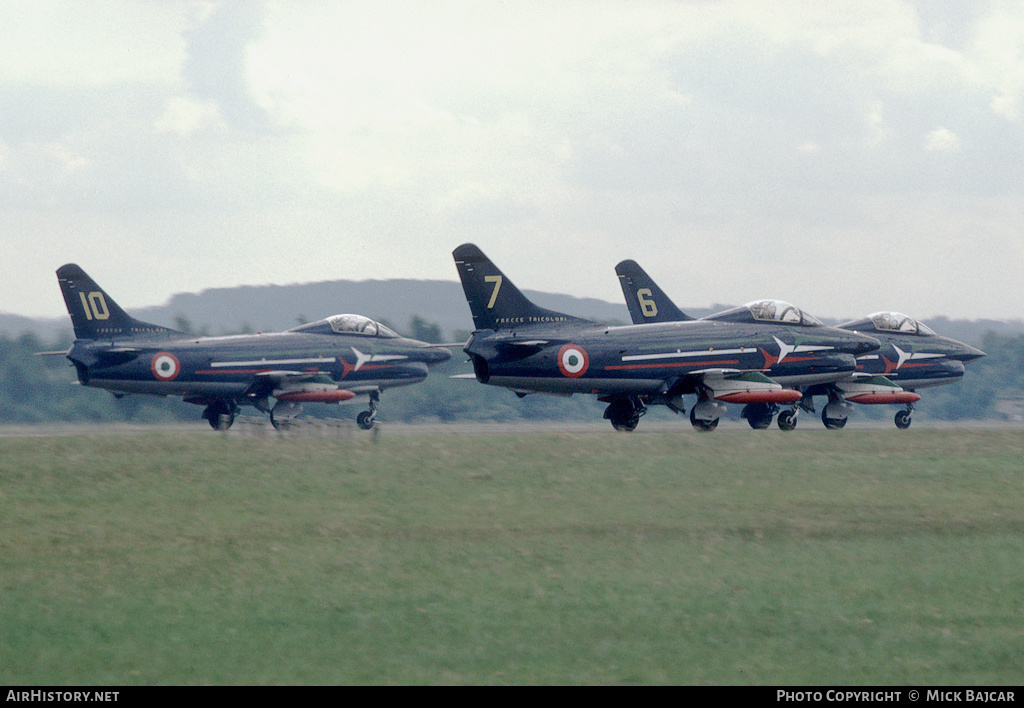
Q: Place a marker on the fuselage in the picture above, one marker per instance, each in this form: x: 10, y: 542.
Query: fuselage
x: 912, y: 355
x: 249, y: 365
x: 647, y: 358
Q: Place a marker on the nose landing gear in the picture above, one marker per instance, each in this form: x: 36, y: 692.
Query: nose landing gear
x: 366, y: 419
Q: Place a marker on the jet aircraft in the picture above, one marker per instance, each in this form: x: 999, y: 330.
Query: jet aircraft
x: 808, y: 353
x: 529, y: 349
x: 912, y: 356
x: 340, y: 358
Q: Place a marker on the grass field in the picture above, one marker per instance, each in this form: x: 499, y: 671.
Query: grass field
x: 742, y: 557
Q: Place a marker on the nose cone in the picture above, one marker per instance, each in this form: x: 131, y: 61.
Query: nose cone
x: 435, y: 354
x: 968, y: 353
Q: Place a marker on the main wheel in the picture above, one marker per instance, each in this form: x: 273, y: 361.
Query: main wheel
x: 902, y: 420
x: 759, y: 415
x: 701, y: 425
x: 365, y: 419
x: 833, y: 423
x: 220, y: 415
x: 624, y: 414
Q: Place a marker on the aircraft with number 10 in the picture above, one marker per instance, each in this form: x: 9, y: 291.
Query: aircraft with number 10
x: 529, y: 349
x: 340, y: 358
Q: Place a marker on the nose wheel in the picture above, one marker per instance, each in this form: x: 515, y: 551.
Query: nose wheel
x: 903, y: 417
x: 366, y: 419
x: 787, y: 420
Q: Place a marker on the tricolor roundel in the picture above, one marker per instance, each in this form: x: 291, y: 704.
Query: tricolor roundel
x: 165, y: 366
x: 573, y: 361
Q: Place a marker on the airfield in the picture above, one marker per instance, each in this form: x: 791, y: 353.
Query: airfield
x: 481, y: 554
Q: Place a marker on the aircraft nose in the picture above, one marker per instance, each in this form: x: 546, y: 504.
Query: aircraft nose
x: 437, y: 355
x: 969, y: 353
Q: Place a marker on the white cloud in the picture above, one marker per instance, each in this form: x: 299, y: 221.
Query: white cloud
x: 942, y: 140
x: 185, y: 115
x: 60, y: 43
x: 379, y: 135
x: 997, y: 58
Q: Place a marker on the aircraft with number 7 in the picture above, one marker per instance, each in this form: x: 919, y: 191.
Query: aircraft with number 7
x: 529, y: 349
x: 340, y: 358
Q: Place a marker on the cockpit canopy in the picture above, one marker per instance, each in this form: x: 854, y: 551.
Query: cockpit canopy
x: 346, y: 324
x: 778, y: 311
x: 896, y: 322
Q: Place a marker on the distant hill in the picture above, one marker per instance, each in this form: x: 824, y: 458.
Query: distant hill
x: 273, y: 308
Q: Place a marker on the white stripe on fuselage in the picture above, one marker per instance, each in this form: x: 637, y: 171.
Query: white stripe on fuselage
x: 272, y: 362
x: 908, y: 356
x: 363, y: 358
x: 680, y: 354
x: 784, y: 351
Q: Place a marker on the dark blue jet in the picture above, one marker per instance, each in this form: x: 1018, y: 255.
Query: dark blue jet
x: 335, y: 359
x: 912, y: 356
x: 529, y: 349
x: 807, y: 354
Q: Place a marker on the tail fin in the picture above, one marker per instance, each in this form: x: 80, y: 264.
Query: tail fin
x: 94, y: 314
x: 494, y: 301
x: 645, y: 300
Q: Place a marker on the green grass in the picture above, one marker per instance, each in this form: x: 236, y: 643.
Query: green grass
x: 741, y: 557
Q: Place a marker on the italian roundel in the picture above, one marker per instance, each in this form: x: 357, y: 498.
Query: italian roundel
x: 165, y: 366
x: 573, y: 361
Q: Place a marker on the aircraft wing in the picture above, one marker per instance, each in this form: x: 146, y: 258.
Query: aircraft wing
x: 266, y: 382
x: 868, y: 389
x: 294, y: 376
x: 734, y: 386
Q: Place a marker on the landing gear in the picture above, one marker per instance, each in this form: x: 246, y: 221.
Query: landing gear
x: 903, y: 417
x: 283, y: 414
x: 836, y: 413
x: 832, y: 423
x: 220, y: 414
x: 366, y: 419
x: 625, y: 413
x: 787, y: 420
x: 759, y: 415
x: 705, y: 415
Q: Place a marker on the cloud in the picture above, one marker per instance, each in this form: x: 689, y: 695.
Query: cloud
x: 942, y: 140
x: 752, y: 146
x: 185, y: 115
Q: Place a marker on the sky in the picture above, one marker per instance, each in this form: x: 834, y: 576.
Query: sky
x: 849, y: 157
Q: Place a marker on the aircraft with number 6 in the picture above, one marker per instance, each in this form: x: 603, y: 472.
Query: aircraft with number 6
x: 340, y: 358
x: 911, y: 355
x: 529, y: 349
